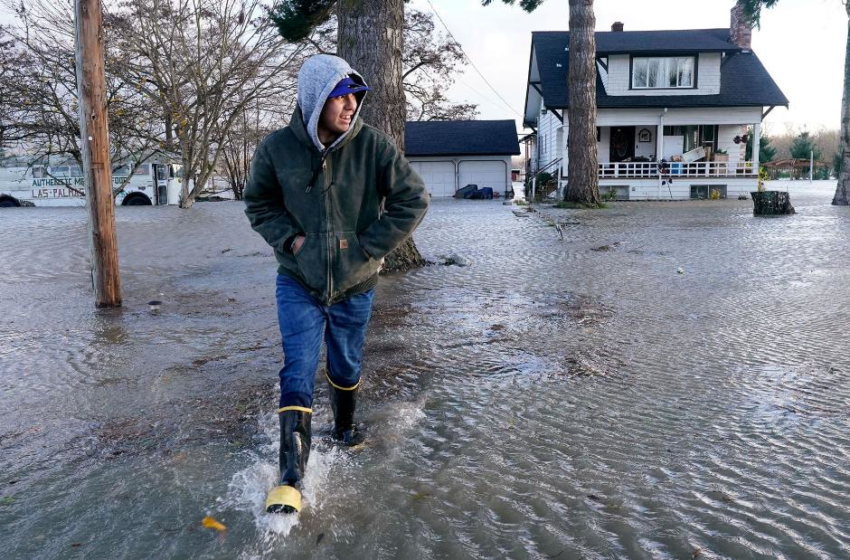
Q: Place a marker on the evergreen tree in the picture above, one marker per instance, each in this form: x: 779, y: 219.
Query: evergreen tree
x: 803, y: 147
x: 766, y: 151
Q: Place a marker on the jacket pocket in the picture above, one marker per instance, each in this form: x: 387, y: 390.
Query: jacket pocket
x: 352, y: 265
x: 311, y: 261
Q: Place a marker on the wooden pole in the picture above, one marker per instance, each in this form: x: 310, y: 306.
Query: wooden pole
x: 97, y: 167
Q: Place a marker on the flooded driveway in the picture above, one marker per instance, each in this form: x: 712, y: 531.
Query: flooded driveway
x: 669, y: 380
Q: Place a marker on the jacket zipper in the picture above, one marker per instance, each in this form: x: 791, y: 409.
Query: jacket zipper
x: 315, y: 176
x: 328, y: 184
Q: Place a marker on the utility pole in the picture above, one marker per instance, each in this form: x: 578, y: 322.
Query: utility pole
x: 97, y: 166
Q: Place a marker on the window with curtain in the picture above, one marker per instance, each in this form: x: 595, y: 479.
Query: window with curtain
x: 663, y: 73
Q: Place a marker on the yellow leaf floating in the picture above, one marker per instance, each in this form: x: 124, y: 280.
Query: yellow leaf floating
x: 211, y: 523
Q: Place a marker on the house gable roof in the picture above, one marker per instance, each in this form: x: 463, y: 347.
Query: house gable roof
x: 461, y: 138
x: 637, y: 42
x: 744, y: 80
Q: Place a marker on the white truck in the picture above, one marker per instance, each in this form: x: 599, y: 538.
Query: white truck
x: 153, y: 183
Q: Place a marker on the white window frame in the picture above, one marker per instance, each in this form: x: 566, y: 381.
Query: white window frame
x: 665, y: 62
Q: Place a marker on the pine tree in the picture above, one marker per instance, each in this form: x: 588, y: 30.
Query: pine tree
x: 803, y: 147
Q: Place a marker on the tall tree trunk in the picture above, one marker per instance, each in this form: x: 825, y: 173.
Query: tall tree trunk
x: 842, y: 191
x: 185, y: 201
x: 371, y: 36
x: 582, y: 168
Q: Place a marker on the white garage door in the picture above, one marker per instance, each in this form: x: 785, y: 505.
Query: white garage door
x: 484, y: 174
x: 439, y: 176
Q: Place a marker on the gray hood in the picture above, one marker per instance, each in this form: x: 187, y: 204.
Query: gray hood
x: 316, y: 80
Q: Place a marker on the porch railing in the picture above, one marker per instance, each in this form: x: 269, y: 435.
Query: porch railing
x: 650, y: 169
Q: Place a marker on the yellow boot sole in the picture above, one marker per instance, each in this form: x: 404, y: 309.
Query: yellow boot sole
x: 283, y: 499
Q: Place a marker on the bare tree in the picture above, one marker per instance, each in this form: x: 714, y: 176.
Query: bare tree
x: 430, y: 61
x: 203, y: 62
x: 200, y: 78
x: 11, y: 63
x: 42, y: 83
x: 250, y: 128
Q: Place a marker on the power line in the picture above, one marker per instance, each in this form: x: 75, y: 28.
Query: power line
x: 485, y: 98
x: 508, y: 105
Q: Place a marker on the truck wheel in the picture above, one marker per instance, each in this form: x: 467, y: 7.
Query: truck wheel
x: 7, y: 201
x: 136, y: 199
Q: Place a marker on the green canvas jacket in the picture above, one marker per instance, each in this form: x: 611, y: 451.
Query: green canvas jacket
x: 334, y: 197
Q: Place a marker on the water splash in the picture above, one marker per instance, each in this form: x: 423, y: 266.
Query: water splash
x: 248, y: 488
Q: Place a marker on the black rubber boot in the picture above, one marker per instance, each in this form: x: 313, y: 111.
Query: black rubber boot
x: 343, y: 402
x: 295, y: 438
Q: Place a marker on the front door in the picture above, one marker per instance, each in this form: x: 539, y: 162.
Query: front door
x: 622, y: 143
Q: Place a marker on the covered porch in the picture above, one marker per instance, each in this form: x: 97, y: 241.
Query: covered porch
x: 644, y: 153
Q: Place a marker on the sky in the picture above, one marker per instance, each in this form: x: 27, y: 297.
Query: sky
x: 801, y: 43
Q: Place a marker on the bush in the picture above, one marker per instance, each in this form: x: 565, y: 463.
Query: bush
x: 610, y: 196
x: 543, y: 179
x: 821, y: 173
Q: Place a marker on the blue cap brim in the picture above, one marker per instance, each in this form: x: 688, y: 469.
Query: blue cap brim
x: 347, y: 86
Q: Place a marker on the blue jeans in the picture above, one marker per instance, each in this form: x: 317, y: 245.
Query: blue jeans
x: 303, y: 323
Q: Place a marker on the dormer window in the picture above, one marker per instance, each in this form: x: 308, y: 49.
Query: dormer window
x: 672, y: 72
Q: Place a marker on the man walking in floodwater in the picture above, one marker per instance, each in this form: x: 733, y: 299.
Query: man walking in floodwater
x: 333, y: 197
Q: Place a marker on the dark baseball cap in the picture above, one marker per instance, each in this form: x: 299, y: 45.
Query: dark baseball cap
x: 346, y: 86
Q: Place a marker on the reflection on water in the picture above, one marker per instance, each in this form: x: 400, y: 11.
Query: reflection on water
x: 550, y: 400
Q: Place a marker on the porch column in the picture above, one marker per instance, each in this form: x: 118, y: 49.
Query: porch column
x: 659, y: 141
x: 659, y: 148
x: 756, y: 146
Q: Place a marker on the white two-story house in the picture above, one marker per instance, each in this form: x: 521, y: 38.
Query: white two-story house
x: 675, y: 110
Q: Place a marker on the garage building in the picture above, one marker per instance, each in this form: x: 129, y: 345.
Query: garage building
x: 452, y: 154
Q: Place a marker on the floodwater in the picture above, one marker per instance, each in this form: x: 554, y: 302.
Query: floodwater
x: 669, y: 380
